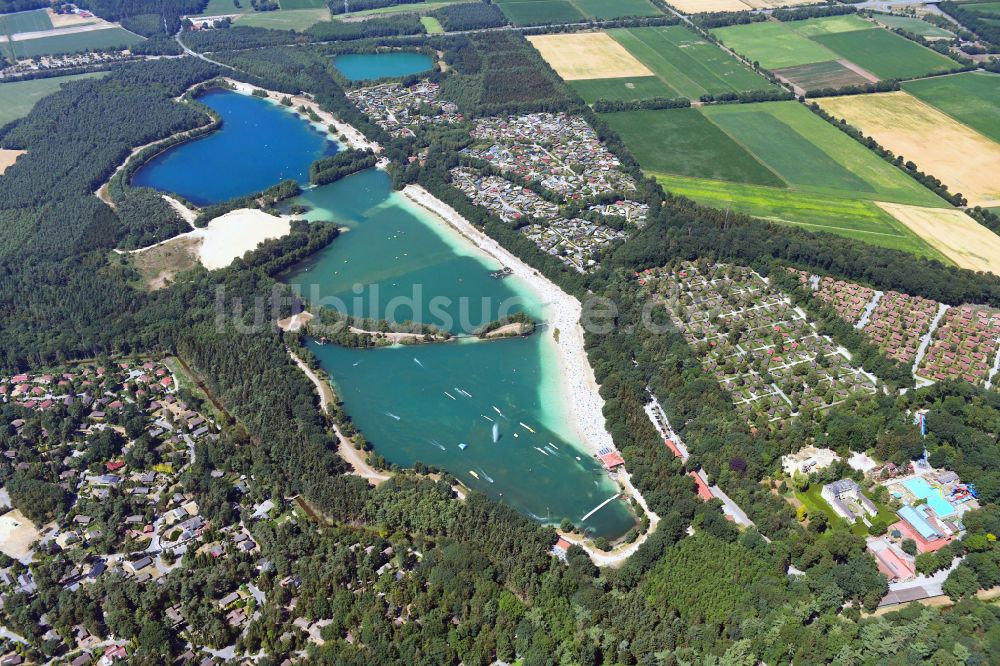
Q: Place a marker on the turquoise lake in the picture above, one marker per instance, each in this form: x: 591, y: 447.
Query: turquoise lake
x: 420, y: 402
x: 369, y: 66
x: 258, y: 145
x: 396, y: 261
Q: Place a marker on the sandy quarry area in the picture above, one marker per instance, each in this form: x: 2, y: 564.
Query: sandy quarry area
x: 967, y: 161
x: 71, y: 20
x: 588, y: 55
x: 8, y: 157
x: 952, y: 233
x: 17, y: 533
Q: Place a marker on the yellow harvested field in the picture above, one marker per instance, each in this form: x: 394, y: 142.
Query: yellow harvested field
x: 702, y: 6
x: 588, y: 55
x: 8, y: 157
x: 952, y: 233
x: 965, y: 160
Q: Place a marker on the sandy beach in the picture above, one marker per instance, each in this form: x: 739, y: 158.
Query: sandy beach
x: 582, y: 402
x: 353, y: 137
x: 230, y: 236
x: 8, y: 157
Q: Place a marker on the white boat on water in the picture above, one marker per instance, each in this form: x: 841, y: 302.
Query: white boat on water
x: 473, y: 474
x: 526, y: 426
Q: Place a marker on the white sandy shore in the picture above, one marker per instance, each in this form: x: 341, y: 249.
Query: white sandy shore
x: 230, y: 236
x: 353, y: 137
x: 582, y: 401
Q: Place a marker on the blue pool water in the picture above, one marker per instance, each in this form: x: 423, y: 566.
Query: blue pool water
x: 935, y: 499
x: 368, y: 66
x: 258, y: 145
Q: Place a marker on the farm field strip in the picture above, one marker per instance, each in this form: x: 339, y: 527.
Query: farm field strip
x: 687, y: 63
x: 964, y: 159
x: 914, y: 25
x: 848, y: 39
x: 18, y: 97
x: 284, y: 19
x: 862, y: 220
x: 621, y: 89
x: 588, y: 55
x: 966, y: 242
x: 972, y: 98
x: 113, y: 37
x: 703, y: 6
x: 539, y: 12
x: 30, y: 21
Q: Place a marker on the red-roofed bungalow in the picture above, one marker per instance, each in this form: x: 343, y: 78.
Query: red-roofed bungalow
x: 704, y: 491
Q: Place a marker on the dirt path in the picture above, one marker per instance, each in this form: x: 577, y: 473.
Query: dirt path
x: 345, y: 448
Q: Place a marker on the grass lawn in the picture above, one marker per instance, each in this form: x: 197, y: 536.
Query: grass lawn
x: 687, y: 63
x: 621, y: 89
x: 537, y: 12
x: 74, y: 42
x: 432, y: 25
x: 972, y: 98
x: 284, y: 19
x: 32, y: 21
x: 815, y: 505
x: 913, y: 25
x: 885, y: 54
x: 216, y: 7
x: 858, y: 219
x: 809, y: 153
x: 610, y: 9
x: 685, y: 142
x: 19, y: 97
x: 773, y: 44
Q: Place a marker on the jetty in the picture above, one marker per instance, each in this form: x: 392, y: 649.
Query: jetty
x: 502, y: 273
x: 600, y: 506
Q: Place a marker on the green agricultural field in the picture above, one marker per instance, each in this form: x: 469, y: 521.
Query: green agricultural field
x: 538, y: 12
x: 217, y: 7
x: 885, y: 54
x: 972, y: 98
x: 19, y: 97
x: 622, y: 89
x: 684, y: 141
x: 688, y: 64
x: 914, y: 25
x: 983, y: 8
x: 284, y: 19
x: 610, y: 9
x: 431, y: 25
x: 773, y: 44
x: 33, y: 21
x: 301, y: 4
x: 862, y: 220
x: 809, y: 153
x: 819, y: 75
x: 829, y: 25
x: 108, y: 38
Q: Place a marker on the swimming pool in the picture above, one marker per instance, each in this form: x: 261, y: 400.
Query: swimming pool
x: 935, y: 499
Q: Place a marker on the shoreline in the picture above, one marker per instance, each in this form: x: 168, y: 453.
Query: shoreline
x: 352, y: 137
x: 580, y: 399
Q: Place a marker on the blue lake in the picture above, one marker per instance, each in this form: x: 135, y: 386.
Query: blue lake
x: 368, y: 66
x: 258, y: 145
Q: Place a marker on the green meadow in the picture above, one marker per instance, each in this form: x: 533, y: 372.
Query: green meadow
x: 217, y: 7
x: 74, y: 42
x: 778, y: 45
x: 538, y: 12
x: 621, y: 89
x: 913, y: 25
x: 775, y: 160
x: 32, y: 21
x: 686, y: 63
x: 17, y: 98
x: 284, y: 19
x: 685, y: 142
x: 862, y: 220
x: 301, y: 4
x: 610, y: 9
x: 885, y: 54
x: 972, y: 98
